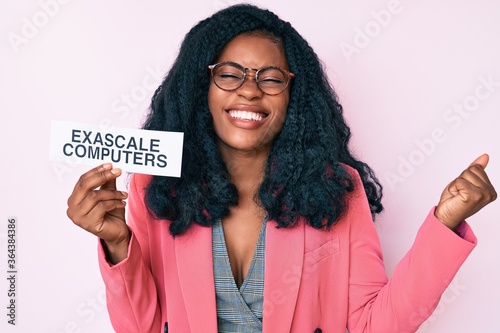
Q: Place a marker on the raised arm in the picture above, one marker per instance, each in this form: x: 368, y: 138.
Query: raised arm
x: 420, y: 278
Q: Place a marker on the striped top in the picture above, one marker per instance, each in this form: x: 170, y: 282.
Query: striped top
x: 238, y: 310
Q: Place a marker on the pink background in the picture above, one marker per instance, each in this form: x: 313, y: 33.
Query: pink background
x: 411, y: 66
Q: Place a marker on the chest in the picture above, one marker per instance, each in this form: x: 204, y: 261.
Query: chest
x: 241, y: 234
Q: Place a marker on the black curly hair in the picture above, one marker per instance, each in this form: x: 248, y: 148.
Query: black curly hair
x: 304, y: 174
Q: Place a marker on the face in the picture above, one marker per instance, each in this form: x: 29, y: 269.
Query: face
x: 246, y: 119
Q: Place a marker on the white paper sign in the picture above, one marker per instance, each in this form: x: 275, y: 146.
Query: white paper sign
x: 133, y: 150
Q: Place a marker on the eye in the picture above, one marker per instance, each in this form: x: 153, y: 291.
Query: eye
x: 228, y: 73
x: 271, y: 80
x: 229, y: 76
x: 271, y: 77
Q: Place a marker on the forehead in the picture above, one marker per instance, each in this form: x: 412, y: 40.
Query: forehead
x: 254, y: 51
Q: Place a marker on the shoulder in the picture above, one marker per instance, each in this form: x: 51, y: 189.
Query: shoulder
x: 354, y: 176
x: 356, y: 200
x: 350, y: 170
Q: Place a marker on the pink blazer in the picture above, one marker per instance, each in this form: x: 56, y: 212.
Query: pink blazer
x: 331, y: 280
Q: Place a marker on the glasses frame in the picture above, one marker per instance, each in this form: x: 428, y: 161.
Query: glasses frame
x: 289, y: 75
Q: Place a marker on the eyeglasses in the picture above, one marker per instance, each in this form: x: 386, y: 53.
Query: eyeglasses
x: 229, y: 76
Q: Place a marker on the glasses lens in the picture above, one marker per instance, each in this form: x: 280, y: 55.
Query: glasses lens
x: 272, y: 80
x: 228, y: 76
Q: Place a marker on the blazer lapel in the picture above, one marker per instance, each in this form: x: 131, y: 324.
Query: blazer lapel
x: 193, y: 253
x: 283, y: 273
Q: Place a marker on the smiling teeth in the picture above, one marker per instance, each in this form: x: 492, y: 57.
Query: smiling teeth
x: 246, y: 115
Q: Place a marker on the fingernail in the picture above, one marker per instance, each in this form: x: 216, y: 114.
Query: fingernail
x: 124, y: 193
x: 115, y: 171
x: 106, y: 166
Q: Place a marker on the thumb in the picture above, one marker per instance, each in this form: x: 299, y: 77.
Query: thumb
x: 482, y: 161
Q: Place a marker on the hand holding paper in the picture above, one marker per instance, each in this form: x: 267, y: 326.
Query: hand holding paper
x: 96, y: 206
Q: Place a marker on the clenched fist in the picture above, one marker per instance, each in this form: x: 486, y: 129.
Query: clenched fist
x: 466, y: 195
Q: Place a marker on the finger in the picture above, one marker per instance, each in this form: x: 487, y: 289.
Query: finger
x: 78, y: 213
x: 472, y: 191
x: 481, y: 160
x: 93, y: 198
x: 477, y: 176
x: 94, y: 220
x: 91, y: 180
x: 103, y: 208
x: 110, y: 184
x: 461, y: 187
x: 98, y: 177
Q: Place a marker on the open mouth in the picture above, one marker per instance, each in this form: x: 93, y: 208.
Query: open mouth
x: 247, y: 115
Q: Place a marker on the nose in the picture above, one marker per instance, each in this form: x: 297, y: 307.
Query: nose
x: 249, y: 89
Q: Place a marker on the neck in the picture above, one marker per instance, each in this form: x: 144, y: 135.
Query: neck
x: 246, y: 169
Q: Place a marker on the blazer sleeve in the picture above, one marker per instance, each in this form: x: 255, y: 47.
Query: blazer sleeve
x: 131, y: 294
x: 420, y: 278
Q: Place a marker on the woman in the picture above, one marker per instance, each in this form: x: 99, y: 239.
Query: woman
x: 270, y: 226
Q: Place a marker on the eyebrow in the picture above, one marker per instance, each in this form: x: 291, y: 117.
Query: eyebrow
x: 285, y: 67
